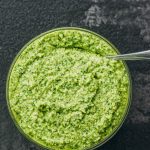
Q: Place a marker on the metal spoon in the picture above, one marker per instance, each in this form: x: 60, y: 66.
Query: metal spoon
x: 144, y: 55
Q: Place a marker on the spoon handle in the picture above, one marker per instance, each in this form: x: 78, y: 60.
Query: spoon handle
x: 144, y: 55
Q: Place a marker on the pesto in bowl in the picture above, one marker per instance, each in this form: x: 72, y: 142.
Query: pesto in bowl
x: 64, y: 94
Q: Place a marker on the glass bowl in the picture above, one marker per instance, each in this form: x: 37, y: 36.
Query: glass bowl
x: 129, y: 89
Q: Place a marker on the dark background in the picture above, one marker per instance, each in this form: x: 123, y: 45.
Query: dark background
x: 126, y: 23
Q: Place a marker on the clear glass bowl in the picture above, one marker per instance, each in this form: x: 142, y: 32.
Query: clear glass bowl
x: 129, y: 90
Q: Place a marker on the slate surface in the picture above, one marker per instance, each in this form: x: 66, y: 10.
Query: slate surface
x: 125, y: 23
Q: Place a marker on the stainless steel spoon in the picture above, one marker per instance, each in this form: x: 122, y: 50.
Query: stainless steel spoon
x: 144, y: 55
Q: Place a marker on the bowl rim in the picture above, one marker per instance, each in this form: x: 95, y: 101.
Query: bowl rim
x: 124, y: 116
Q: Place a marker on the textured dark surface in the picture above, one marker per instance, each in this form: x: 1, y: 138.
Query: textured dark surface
x: 126, y: 23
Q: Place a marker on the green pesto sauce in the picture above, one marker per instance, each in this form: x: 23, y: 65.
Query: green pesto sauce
x: 64, y: 94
